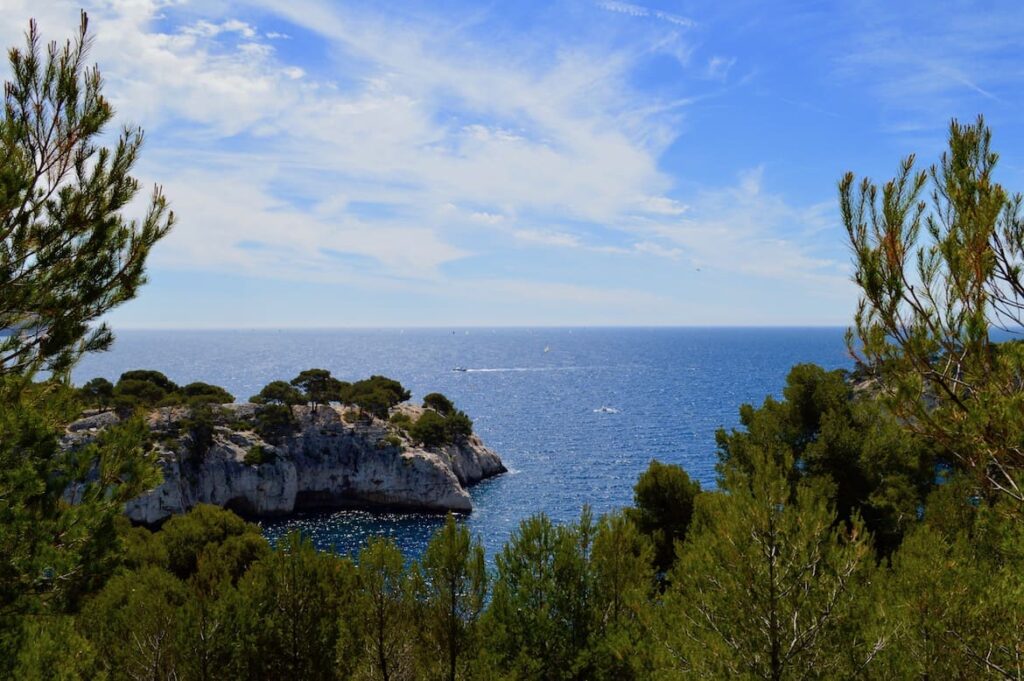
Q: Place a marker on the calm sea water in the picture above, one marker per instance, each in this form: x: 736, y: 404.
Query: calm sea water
x: 576, y: 414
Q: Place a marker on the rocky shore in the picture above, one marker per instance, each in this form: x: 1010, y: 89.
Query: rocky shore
x: 329, y: 459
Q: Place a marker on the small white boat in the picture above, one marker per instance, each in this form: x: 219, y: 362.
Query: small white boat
x: 606, y: 410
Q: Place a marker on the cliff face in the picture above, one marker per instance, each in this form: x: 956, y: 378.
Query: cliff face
x: 324, y: 462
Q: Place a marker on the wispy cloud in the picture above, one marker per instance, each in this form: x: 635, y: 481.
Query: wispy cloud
x: 408, y: 149
x: 747, y: 230
x: 634, y: 10
x: 923, y: 60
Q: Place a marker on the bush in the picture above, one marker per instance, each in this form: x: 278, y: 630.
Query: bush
x: 149, y: 376
x: 319, y: 387
x: 457, y: 426
x: 663, y: 508
x: 429, y: 430
x: 198, y: 392
x: 278, y: 392
x: 274, y: 421
x: 97, y: 393
x: 401, y: 420
x: 199, y: 427
x: 391, y: 440
x: 135, y: 393
x: 376, y: 395
x: 258, y: 455
x: 438, y: 403
x: 350, y: 416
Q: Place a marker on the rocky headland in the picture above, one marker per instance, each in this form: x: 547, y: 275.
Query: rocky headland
x: 328, y: 457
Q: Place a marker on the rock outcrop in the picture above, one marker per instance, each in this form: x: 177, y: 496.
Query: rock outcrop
x: 324, y: 461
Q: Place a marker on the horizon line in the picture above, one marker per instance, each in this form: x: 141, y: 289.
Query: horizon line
x: 424, y: 327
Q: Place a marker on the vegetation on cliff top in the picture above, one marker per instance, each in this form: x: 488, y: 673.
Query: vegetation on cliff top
x: 852, y: 534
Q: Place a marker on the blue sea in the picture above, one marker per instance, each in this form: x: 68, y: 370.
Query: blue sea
x: 576, y: 414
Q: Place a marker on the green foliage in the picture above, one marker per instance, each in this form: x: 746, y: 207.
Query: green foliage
x: 146, y: 389
x: 274, y: 421
x: 185, y: 537
x: 199, y: 427
x: 279, y: 392
x: 429, y: 430
x: 539, y: 621
x: 204, y: 393
x: 390, y: 441
x: 258, y: 455
x: 97, y: 394
x: 929, y: 299
x: 376, y: 395
x: 67, y: 253
x: 149, y: 376
x: 319, y: 387
x: 51, y: 648
x: 433, y: 430
x: 133, y: 623
x: 663, y: 499
x: 766, y: 584
x: 132, y: 394
x: 291, y: 604
x: 852, y: 445
x: 401, y: 420
x: 450, y: 585
x: 53, y: 552
x: 457, y: 426
x: 384, y: 605
x: 439, y: 403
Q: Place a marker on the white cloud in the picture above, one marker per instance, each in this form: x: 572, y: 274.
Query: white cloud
x: 743, y: 229
x: 548, y: 238
x: 719, y: 67
x: 208, y: 29
x: 565, y: 140
x: 640, y: 11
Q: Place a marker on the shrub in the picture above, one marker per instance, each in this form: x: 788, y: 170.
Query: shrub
x: 138, y: 393
x: 429, y: 429
x: 663, y: 499
x: 274, y: 421
x: 457, y: 426
x: 391, y: 440
x: 376, y: 395
x: 198, y: 428
x: 258, y: 455
x: 279, y: 392
x: 401, y: 420
x: 97, y: 393
x: 319, y: 387
x: 198, y: 392
x: 149, y: 376
x: 438, y: 403
x: 350, y: 416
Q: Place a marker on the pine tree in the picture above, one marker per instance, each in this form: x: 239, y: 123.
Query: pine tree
x: 767, y: 584
x: 929, y: 301
x: 68, y: 254
x: 450, y: 583
x: 385, y: 610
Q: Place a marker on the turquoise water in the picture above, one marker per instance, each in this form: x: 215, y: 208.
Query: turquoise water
x: 576, y: 414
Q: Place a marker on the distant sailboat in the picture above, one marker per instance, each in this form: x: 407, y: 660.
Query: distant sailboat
x: 547, y: 348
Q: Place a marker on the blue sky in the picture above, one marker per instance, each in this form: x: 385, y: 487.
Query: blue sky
x: 528, y: 163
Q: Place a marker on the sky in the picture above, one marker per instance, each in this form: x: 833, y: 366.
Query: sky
x: 527, y: 163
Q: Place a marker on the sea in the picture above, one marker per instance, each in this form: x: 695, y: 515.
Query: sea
x: 575, y: 413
